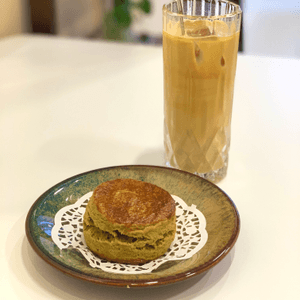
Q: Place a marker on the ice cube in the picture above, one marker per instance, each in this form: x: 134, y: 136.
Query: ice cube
x: 198, y: 28
x: 220, y: 28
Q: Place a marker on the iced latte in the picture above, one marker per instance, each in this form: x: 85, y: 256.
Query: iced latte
x: 200, y: 58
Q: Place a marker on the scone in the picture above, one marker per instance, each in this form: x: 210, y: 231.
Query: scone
x: 129, y: 221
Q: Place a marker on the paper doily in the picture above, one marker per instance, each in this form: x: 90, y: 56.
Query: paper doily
x: 190, y: 236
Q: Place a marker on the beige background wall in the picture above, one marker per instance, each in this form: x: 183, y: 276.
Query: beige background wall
x: 271, y: 27
x: 13, y: 17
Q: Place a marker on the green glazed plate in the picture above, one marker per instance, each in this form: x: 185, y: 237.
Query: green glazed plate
x: 222, y: 224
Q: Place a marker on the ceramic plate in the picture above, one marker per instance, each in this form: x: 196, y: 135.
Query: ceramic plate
x: 222, y: 218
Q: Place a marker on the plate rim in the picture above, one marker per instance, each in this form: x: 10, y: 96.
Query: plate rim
x: 140, y: 282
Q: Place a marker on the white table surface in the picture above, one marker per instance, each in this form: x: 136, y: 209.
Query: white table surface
x: 70, y: 106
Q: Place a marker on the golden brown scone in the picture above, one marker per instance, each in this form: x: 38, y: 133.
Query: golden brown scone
x: 129, y: 221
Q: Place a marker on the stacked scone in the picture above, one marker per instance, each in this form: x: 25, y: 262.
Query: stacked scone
x: 129, y: 221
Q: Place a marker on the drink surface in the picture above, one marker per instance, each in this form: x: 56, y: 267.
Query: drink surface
x: 199, y: 72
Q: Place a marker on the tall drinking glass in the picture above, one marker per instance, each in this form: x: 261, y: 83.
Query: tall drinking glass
x: 200, y: 45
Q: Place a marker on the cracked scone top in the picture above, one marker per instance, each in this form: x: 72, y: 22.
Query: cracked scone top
x: 132, y: 202
x: 129, y: 221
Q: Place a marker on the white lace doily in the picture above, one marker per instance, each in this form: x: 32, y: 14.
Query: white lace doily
x: 190, y: 236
